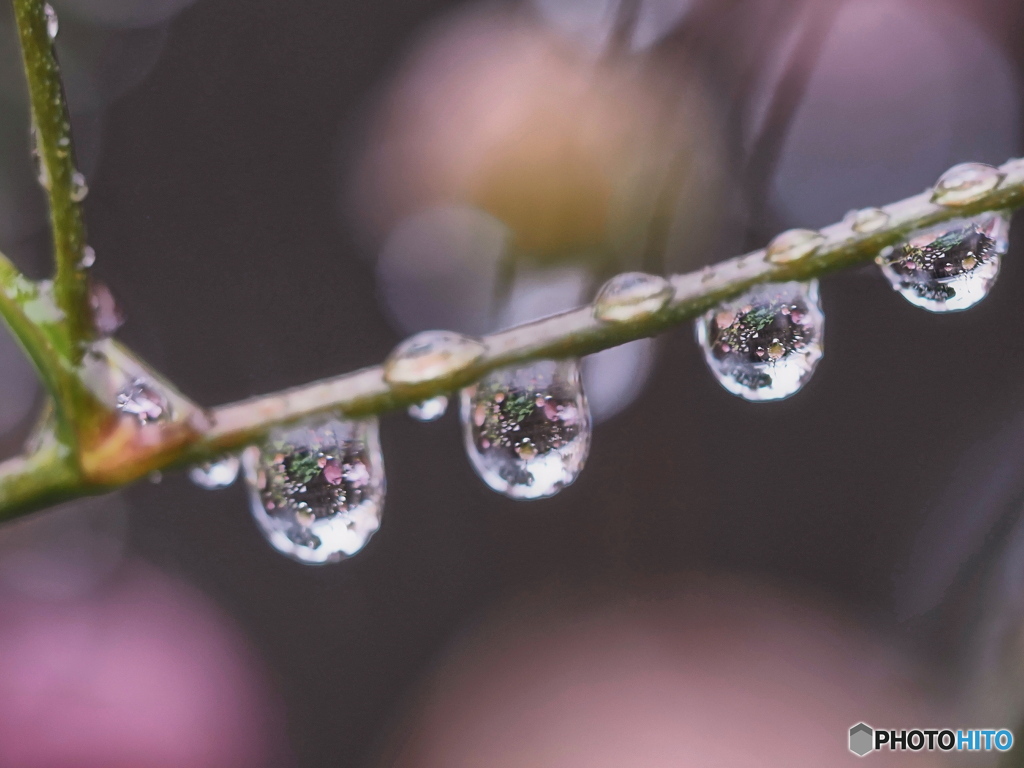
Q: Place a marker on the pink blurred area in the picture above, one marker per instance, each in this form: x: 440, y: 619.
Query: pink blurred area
x: 716, y: 674
x: 143, y: 673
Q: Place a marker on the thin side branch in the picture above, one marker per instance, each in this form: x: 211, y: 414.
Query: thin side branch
x: 34, y: 322
x: 38, y: 324
x: 52, y: 130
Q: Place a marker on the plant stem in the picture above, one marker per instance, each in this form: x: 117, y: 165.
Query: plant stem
x: 52, y: 130
x: 87, y: 446
x: 46, y: 476
x: 24, y: 309
x: 132, y: 451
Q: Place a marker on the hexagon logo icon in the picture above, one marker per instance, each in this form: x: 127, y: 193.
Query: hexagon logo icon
x: 861, y: 739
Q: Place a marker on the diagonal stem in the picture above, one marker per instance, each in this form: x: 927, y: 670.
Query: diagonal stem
x: 52, y: 130
x: 89, y: 447
x: 577, y: 332
x: 128, y: 451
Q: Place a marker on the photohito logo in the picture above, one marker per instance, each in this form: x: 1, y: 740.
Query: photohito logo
x: 865, y: 739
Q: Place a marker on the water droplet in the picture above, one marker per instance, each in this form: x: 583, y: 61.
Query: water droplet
x: 793, y: 245
x: 429, y: 410
x: 79, y: 187
x: 213, y: 475
x: 430, y: 356
x: 88, y: 257
x: 527, y: 429
x: 765, y: 344
x: 106, y: 314
x: 868, y: 220
x: 963, y: 184
x: 141, y: 399
x: 630, y: 296
x: 317, y: 489
x: 950, y: 266
x: 52, y: 22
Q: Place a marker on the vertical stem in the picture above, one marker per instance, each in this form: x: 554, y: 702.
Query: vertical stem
x: 56, y: 156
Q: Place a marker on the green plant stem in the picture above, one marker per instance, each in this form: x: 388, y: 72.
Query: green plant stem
x: 196, y: 435
x: 577, y: 332
x: 57, y: 166
x: 47, y: 476
x: 89, y: 447
x: 24, y: 308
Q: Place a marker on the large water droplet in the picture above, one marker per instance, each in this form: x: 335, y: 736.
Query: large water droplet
x: 527, y: 429
x: 141, y: 399
x: 963, y: 184
x: 630, y: 296
x: 106, y: 314
x: 793, y: 245
x: 868, y: 220
x: 88, y: 257
x: 79, y: 187
x: 52, y: 22
x: 765, y: 344
x: 950, y: 266
x: 430, y: 356
x: 317, y: 489
x: 213, y: 475
x: 429, y: 410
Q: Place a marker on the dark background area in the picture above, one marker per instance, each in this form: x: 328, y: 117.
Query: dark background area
x: 214, y: 211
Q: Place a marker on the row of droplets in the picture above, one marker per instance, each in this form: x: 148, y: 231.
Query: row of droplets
x: 317, y: 489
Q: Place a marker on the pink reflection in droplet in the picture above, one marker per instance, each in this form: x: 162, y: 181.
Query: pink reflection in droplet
x: 143, y: 673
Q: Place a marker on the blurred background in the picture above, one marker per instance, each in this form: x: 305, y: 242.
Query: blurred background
x: 282, y: 191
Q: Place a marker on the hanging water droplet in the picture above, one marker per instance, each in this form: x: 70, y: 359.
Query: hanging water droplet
x: 630, y: 296
x: 79, y: 187
x: 765, y: 344
x: 88, y: 257
x: 214, y: 475
x: 317, y: 489
x: 141, y: 399
x: 429, y: 410
x: 52, y: 22
x: 527, y: 429
x: 793, y: 245
x: 950, y: 266
x: 430, y: 356
x: 868, y: 220
x: 963, y: 184
x: 106, y: 314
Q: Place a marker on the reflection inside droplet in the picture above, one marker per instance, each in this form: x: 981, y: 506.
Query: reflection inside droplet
x: 527, y: 429
x: 765, y: 344
x: 951, y: 266
x: 317, y: 489
x: 141, y: 399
